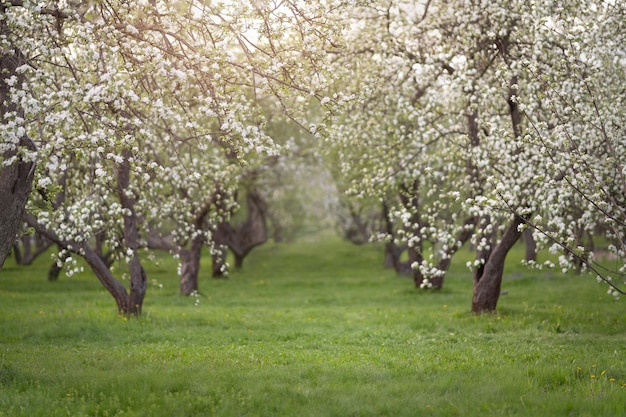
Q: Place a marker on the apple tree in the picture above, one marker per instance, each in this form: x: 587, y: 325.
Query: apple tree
x: 140, y: 115
x: 482, y: 119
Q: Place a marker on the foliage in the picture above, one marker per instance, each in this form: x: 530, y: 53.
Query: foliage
x: 311, y: 328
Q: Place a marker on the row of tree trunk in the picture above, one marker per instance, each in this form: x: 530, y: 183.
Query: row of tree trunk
x: 241, y: 239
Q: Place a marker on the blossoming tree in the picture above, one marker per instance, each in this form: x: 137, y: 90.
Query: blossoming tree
x: 140, y: 113
x: 482, y: 116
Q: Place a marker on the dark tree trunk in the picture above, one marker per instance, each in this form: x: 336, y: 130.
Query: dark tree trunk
x: 190, y: 266
x: 243, y: 238
x: 37, y: 244
x: 57, y: 266
x: 239, y: 260
x: 393, y: 259
x: 138, y: 279
x: 125, y: 304
x: 54, y: 271
x: 29, y: 248
x: 358, y: 230
x: 15, y: 185
x: 488, y: 278
x: 109, y: 256
x: 393, y: 252
x: 17, y: 253
x: 23, y: 250
x: 189, y: 257
x: 95, y: 262
x: 253, y: 232
x: 16, y: 179
x: 409, y: 197
x: 531, y: 245
x: 415, y: 257
x: 437, y: 282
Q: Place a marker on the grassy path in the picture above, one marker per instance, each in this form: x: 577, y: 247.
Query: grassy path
x: 310, y: 329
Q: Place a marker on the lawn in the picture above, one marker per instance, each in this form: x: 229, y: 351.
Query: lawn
x: 313, y: 328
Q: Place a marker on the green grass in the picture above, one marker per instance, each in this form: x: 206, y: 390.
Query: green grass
x: 311, y: 329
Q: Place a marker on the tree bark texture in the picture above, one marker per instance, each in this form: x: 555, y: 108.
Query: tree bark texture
x: 487, y: 284
x: 125, y: 305
x: 16, y: 179
x: 15, y: 185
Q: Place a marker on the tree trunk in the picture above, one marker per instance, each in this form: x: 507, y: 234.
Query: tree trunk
x: 17, y: 253
x: 393, y: 252
x: 190, y: 266
x: 243, y: 238
x: 125, y: 305
x: 239, y: 260
x: 358, y: 230
x: 55, y: 268
x: 95, y: 262
x: 28, y: 248
x: 415, y: 257
x: 189, y: 258
x: 16, y: 179
x: 409, y: 197
x: 54, y: 271
x: 15, y: 185
x: 138, y: 279
x: 531, y: 245
x: 393, y: 259
x: 488, y: 278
